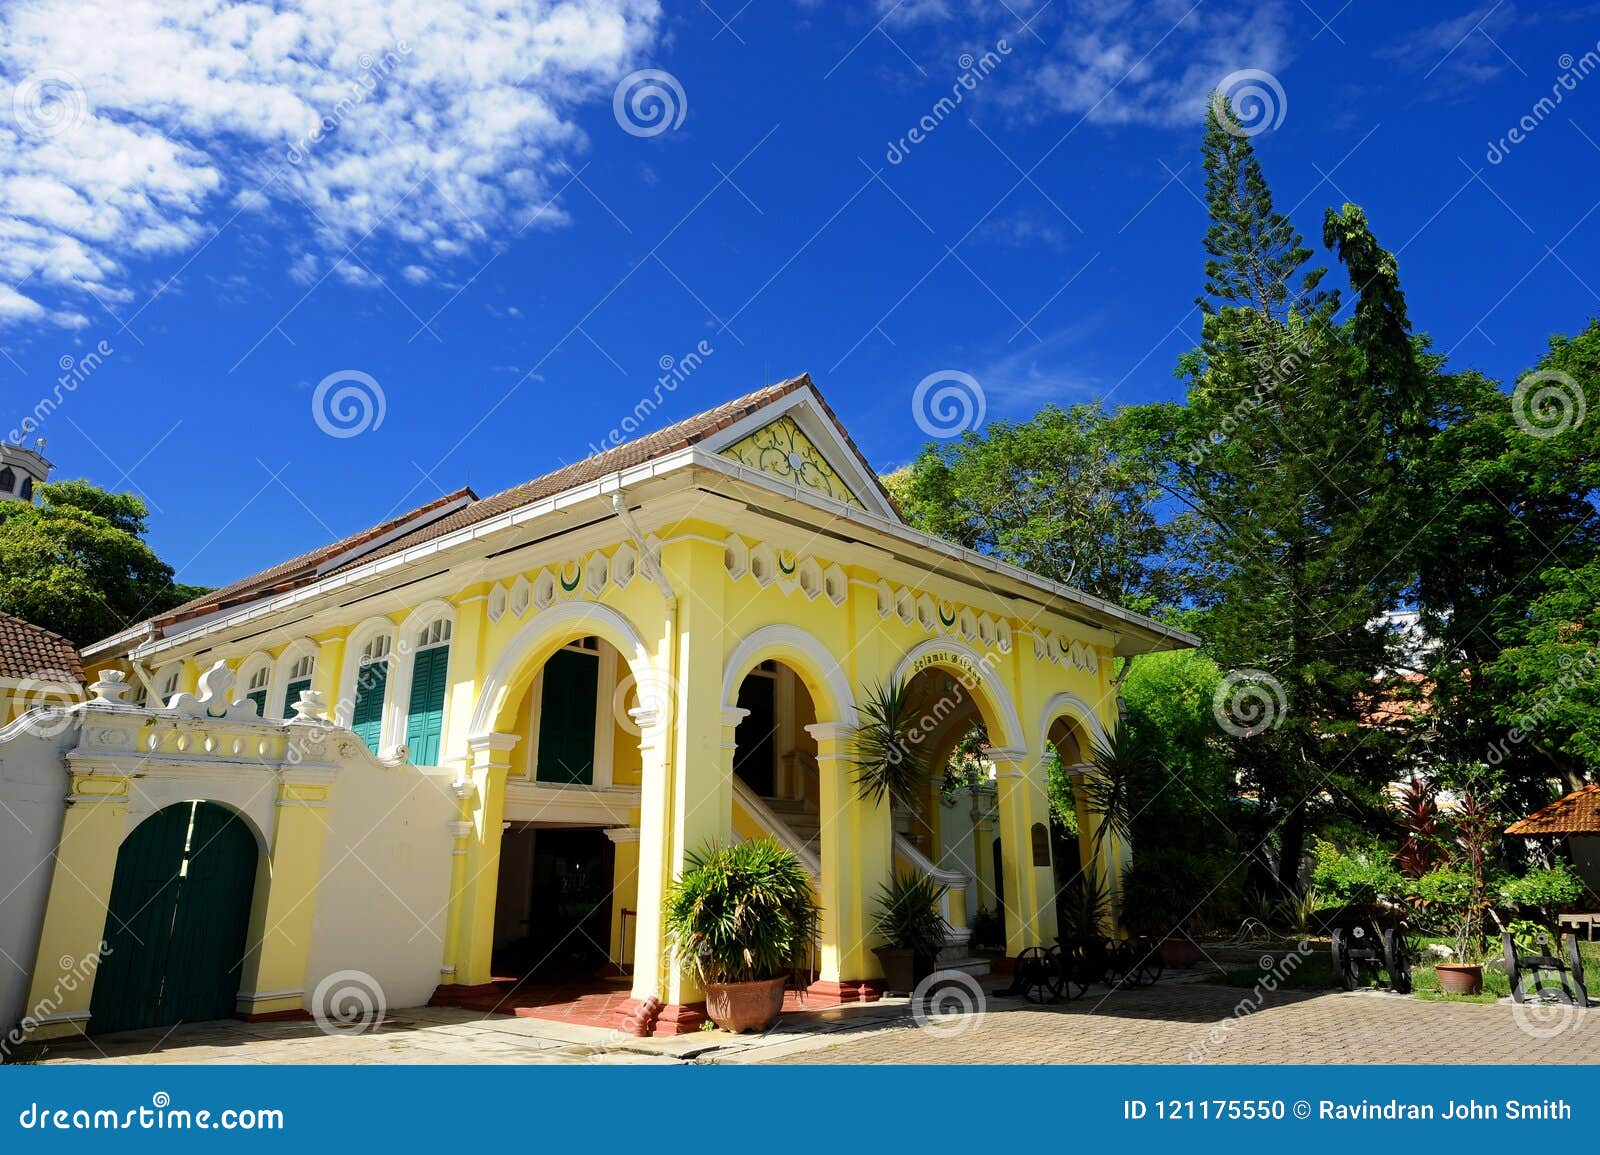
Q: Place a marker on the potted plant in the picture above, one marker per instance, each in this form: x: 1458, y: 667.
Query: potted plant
x: 740, y: 919
x: 1449, y: 893
x: 912, y: 928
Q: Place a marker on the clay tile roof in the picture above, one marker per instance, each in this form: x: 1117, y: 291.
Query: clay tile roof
x: 310, y: 567
x: 29, y: 651
x: 1577, y: 813
x: 298, y: 571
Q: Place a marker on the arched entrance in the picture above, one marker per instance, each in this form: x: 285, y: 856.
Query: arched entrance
x: 177, y: 921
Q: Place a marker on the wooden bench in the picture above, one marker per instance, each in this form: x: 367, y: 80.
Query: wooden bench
x: 1584, y: 924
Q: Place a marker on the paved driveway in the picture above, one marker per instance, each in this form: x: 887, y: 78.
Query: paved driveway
x: 1177, y: 1021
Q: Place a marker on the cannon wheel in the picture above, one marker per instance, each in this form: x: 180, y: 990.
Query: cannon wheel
x: 1397, y: 961
x: 1343, y: 965
x: 1060, y: 987
x: 1575, y: 959
x: 1150, y: 966
x: 1033, y: 974
x: 1513, y: 969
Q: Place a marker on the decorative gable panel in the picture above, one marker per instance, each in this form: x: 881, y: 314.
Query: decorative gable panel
x: 783, y: 450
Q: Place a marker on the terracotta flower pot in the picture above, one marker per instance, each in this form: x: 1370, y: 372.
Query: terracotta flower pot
x: 1179, y: 953
x: 740, y: 1007
x: 1460, y: 978
x: 899, y: 968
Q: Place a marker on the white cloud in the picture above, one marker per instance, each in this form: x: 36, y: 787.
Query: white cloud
x: 427, y: 125
x: 1110, y: 61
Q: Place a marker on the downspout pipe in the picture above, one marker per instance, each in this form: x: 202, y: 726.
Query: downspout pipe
x: 669, y: 596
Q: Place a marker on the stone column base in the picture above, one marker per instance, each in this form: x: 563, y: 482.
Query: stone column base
x: 680, y: 1019
x: 848, y: 990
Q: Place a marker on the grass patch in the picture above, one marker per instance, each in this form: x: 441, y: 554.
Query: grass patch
x: 1314, y: 972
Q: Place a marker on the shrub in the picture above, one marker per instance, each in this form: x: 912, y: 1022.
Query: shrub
x: 741, y: 913
x: 1544, y: 891
x: 1359, y: 875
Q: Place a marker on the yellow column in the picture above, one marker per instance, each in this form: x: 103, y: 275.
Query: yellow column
x: 326, y: 674
x: 467, y: 662
x: 857, y: 858
x: 75, y: 913
x: 284, y: 908
x: 650, y: 963
x: 484, y: 807
x: 624, y: 891
x: 687, y: 796
x: 1030, y: 911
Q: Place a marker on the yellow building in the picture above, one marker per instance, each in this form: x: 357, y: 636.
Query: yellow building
x: 601, y: 670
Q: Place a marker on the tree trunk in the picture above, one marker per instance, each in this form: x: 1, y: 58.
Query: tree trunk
x: 1292, y: 849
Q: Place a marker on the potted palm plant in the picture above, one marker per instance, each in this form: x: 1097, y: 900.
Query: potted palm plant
x: 912, y: 928
x: 740, y: 919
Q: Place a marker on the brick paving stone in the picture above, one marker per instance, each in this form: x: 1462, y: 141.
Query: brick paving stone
x: 1177, y: 1021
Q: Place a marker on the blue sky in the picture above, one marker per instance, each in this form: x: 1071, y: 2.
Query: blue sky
x: 482, y: 235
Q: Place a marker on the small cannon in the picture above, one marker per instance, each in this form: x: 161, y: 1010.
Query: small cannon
x: 1526, y: 972
x: 1367, y: 940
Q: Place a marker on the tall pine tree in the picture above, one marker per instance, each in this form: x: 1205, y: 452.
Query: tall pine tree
x: 1292, y: 496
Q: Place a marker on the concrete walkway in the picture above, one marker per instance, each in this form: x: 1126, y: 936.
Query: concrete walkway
x: 1177, y: 1021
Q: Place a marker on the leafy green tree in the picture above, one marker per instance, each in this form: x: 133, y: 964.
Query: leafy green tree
x: 1071, y: 494
x: 1506, y: 549
x: 77, y: 563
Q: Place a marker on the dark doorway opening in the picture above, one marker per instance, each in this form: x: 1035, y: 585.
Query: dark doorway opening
x: 555, y: 902
x: 755, y: 740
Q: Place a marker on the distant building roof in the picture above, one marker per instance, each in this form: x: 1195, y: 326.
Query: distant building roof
x: 29, y: 651
x: 1577, y: 813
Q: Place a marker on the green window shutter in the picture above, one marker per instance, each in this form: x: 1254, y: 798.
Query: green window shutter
x: 291, y: 695
x: 259, y: 697
x: 366, y: 719
x: 566, y: 718
x: 425, y: 719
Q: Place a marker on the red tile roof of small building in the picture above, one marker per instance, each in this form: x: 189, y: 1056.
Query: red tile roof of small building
x: 311, y: 567
x: 30, y: 651
x: 1577, y: 813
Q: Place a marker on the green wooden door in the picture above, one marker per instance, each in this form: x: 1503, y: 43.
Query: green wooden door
x: 291, y: 695
x: 425, y: 718
x: 178, y: 919
x: 566, y: 718
x: 366, y: 718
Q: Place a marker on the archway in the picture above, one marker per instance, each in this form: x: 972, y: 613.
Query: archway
x: 177, y: 921
x: 1087, y: 876
x: 558, y: 776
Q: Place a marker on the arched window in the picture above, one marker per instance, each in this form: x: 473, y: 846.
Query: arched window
x: 297, y: 679
x: 169, y: 678
x: 26, y: 492
x: 430, y: 663
x: 8, y: 480
x: 372, y: 682
x: 256, y: 688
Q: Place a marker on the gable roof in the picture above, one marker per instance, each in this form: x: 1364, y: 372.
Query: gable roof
x: 30, y: 651
x: 463, y: 508
x: 1577, y: 813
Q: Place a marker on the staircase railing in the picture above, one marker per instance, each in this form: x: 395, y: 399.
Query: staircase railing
x: 763, y: 816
